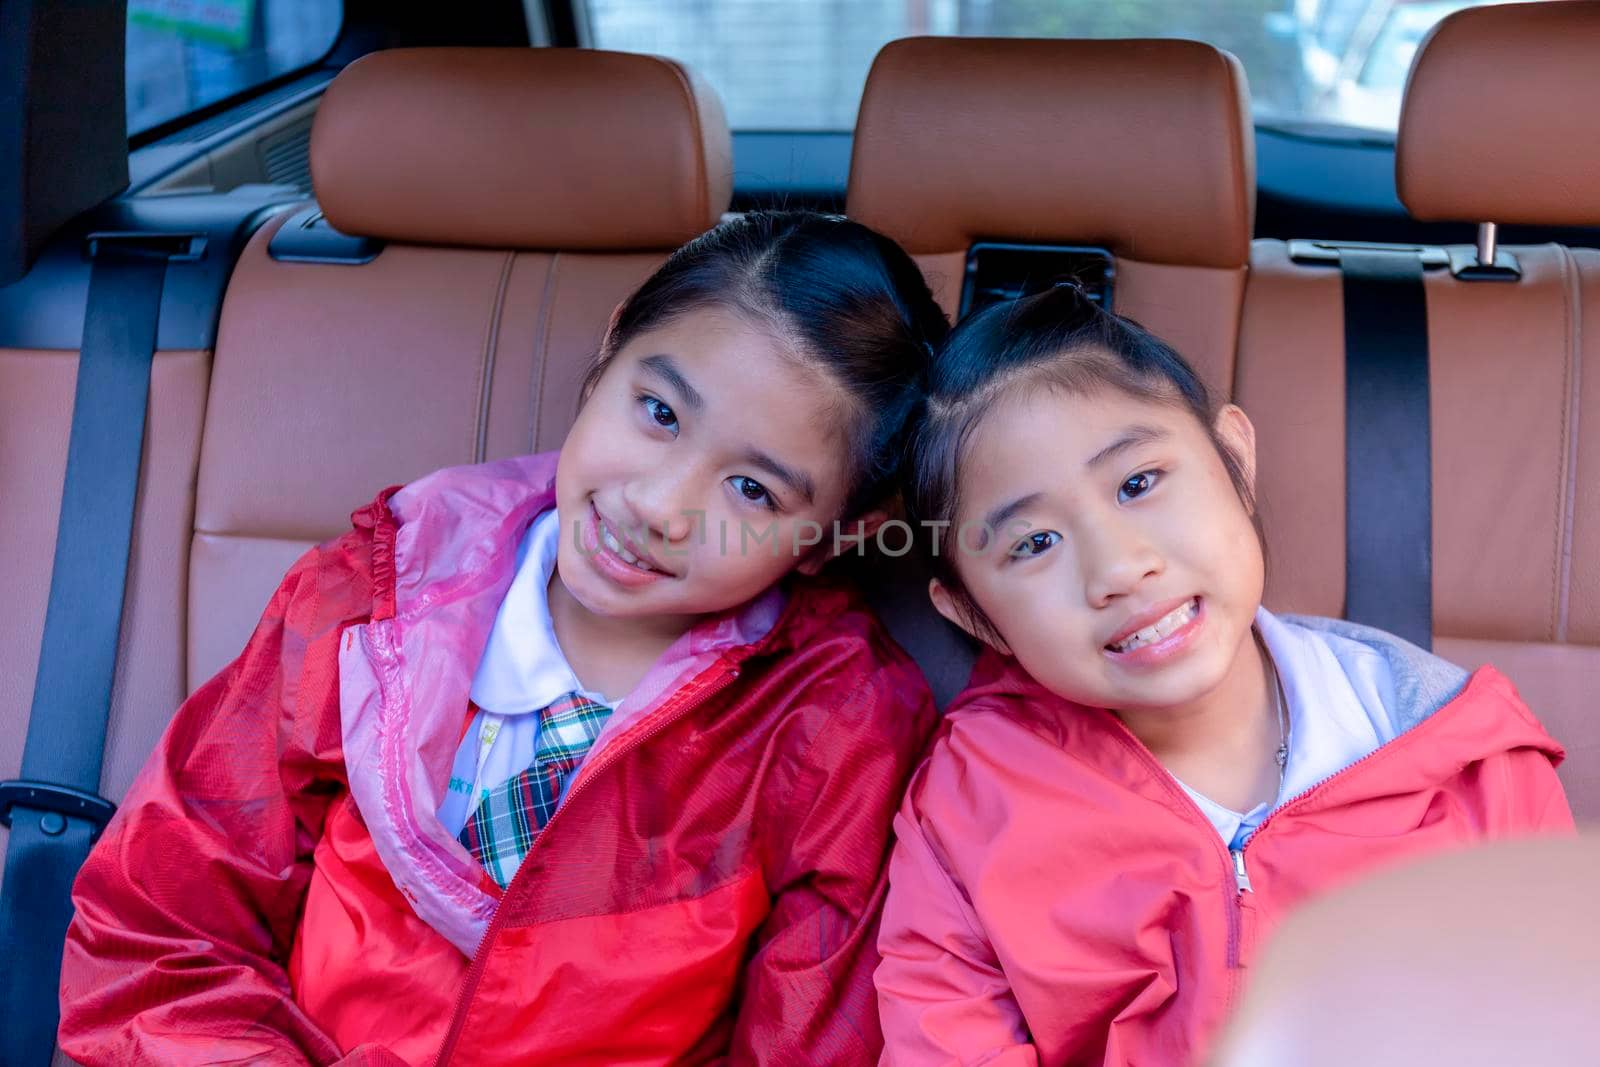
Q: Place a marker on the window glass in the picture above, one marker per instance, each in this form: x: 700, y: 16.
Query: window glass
x: 185, y: 54
x: 800, y: 64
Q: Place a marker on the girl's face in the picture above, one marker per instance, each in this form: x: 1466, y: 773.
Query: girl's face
x: 1123, y: 572
x: 703, y: 467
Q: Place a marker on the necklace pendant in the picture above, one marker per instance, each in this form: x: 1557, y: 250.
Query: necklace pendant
x: 1283, y: 756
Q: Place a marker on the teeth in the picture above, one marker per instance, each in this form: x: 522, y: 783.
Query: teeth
x: 610, y: 541
x: 1163, y: 627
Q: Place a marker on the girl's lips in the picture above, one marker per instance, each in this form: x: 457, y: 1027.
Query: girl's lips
x: 607, y: 563
x: 1164, y: 650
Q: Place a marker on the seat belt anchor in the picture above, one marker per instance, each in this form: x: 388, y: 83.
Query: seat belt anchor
x: 49, y: 797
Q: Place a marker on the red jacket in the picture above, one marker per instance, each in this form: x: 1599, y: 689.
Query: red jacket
x: 1058, y: 899
x: 709, y: 888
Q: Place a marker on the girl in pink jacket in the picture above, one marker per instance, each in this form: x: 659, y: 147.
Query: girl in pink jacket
x: 559, y: 759
x: 1147, y: 769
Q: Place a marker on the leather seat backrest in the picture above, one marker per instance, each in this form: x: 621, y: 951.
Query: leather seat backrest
x: 1143, y: 148
x: 1490, y: 132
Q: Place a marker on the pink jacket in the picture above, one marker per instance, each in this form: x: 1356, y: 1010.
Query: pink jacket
x: 1056, y: 898
x: 276, y: 888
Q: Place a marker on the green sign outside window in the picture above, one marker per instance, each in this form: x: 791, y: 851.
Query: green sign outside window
x: 218, y: 22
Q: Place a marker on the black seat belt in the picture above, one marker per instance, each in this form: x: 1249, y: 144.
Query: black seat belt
x: 54, y: 809
x: 1388, y: 446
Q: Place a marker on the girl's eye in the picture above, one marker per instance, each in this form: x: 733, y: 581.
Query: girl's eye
x: 660, y: 413
x: 1137, y: 486
x: 753, y: 491
x: 1035, y: 544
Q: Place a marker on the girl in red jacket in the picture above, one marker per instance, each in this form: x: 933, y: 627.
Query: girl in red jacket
x: 555, y: 760
x: 1147, y: 768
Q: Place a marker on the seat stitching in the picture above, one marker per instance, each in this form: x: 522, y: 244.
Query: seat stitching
x: 310, y: 538
x: 1572, y: 291
x: 491, y: 342
x: 702, y: 164
x: 1244, y: 202
x: 541, y: 352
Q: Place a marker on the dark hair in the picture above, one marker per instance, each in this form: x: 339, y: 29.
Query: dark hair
x: 843, y: 297
x: 1058, y: 338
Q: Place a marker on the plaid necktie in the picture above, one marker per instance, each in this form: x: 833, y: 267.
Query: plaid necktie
x: 508, y: 821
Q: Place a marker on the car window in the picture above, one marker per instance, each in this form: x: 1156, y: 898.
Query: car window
x: 1399, y: 39
x: 185, y: 54
x: 781, y: 65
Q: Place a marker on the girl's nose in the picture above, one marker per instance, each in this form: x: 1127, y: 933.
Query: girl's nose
x: 661, y: 502
x: 1116, y: 561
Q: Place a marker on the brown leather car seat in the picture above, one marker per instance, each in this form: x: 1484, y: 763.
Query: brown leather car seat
x: 1492, y: 130
x: 1141, y: 148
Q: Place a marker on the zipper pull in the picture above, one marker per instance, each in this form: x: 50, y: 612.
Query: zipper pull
x: 1241, y: 877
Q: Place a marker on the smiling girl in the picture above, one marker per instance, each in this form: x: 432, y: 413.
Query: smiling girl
x: 1147, y: 768
x: 545, y: 761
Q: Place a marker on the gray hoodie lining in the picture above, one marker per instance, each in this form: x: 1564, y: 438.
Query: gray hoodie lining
x: 1423, y: 683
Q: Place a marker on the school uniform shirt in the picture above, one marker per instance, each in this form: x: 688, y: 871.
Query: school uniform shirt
x: 523, y: 671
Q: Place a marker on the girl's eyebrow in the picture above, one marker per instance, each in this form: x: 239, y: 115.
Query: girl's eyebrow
x: 663, y: 367
x: 1000, y: 514
x: 798, y: 481
x: 1129, y: 438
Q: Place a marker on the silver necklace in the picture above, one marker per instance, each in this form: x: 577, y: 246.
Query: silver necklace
x: 1282, y: 756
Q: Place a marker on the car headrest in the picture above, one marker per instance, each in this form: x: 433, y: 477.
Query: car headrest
x: 1499, y: 122
x: 1141, y: 147
x: 521, y: 148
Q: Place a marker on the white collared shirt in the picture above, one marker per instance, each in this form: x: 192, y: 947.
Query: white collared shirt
x: 1337, y: 692
x: 523, y: 671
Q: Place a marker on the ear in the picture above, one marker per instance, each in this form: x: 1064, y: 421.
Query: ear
x: 866, y: 525
x: 944, y: 602
x: 1238, y: 436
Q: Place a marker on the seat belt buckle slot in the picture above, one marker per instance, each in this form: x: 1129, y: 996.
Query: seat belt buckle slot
x: 174, y: 247
x: 1326, y: 253
x: 48, y: 796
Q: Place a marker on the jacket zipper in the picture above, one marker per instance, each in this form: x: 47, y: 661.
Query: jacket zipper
x: 1234, y: 858
x: 1241, y: 873
x: 1241, y: 877
x: 663, y: 718
x: 1238, y: 876
x: 1237, y: 879
x: 1236, y: 924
